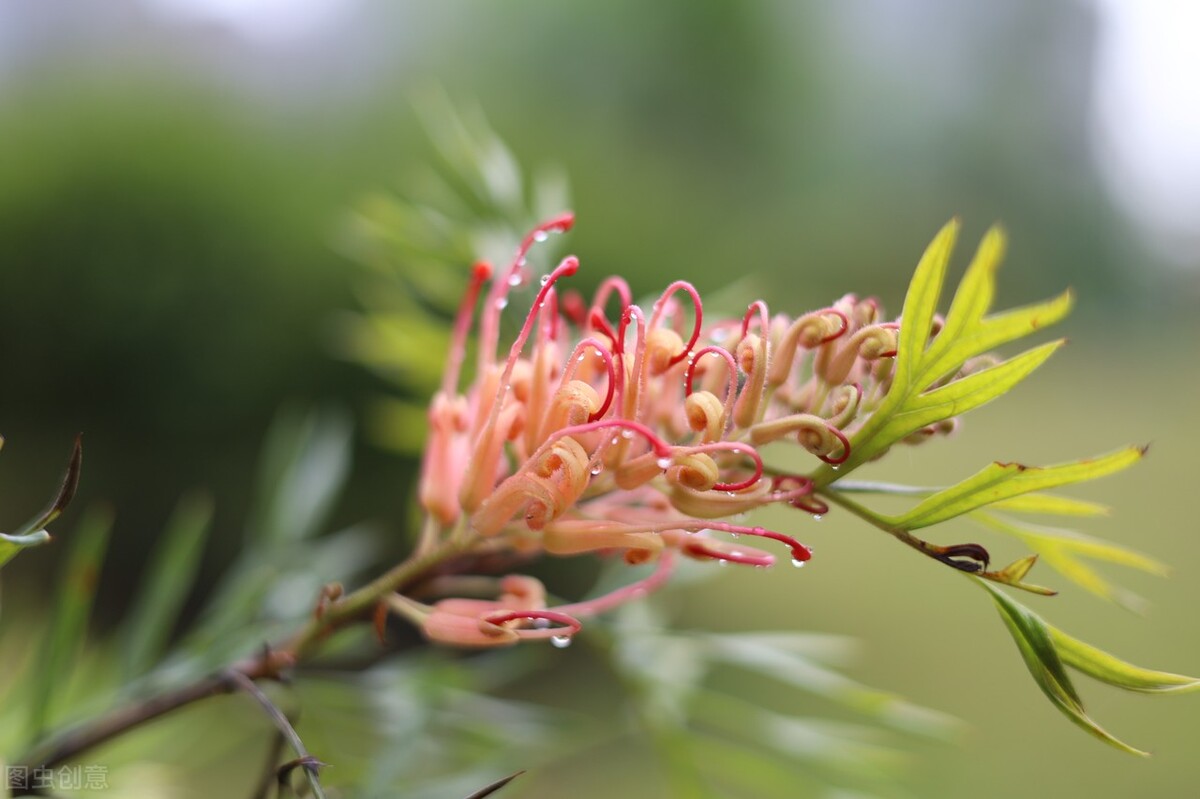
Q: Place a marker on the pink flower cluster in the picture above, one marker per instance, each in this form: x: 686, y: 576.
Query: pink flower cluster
x: 606, y: 427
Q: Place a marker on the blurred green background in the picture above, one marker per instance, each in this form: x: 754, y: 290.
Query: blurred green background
x: 175, y: 174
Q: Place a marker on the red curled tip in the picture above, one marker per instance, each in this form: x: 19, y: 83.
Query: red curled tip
x: 572, y: 307
x: 764, y: 318
x: 660, y: 447
x: 568, y: 625
x: 481, y: 271
x: 597, y: 321
x: 682, y: 285
x: 695, y: 547
x: 579, y: 354
x: 889, y: 353
x: 800, y: 553
x: 736, y: 449
x: 816, y: 507
x: 839, y: 333
x: 691, y: 370
x: 845, y: 453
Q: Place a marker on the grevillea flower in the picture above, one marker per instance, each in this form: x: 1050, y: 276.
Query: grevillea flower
x: 606, y: 426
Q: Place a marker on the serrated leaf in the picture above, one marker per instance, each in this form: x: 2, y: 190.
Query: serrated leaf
x: 1037, y: 648
x: 169, y: 577
x: 1102, y: 666
x: 67, y: 627
x: 1059, y: 549
x: 999, y: 481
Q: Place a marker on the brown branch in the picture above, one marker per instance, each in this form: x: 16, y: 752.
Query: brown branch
x: 340, y: 613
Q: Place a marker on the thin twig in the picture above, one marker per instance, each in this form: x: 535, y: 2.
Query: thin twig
x: 303, y: 758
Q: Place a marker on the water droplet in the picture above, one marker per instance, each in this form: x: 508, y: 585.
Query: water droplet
x: 521, y: 262
x: 834, y: 466
x: 514, y: 280
x: 722, y: 562
x: 799, y: 564
x: 560, y: 641
x: 583, y: 357
x: 545, y: 279
x: 818, y: 517
x: 627, y: 434
x: 615, y: 441
x: 736, y: 535
x: 597, y: 469
x: 542, y: 304
x: 541, y: 624
x: 502, y: 303
x: 540, y: 235
x: 663, y: 463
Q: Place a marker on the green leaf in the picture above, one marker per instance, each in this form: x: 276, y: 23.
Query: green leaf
x: 920, y: 304
x: 1060, y: 549
x: 1037, y: 647
x: 169, y: 576
x: 66, y: 630
x: 965, y: 394
x: 999, y: 481
x: 971, y: 301
x: 1116, y: 672
x: 912, y: 402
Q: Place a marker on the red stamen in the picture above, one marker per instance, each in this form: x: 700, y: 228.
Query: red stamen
x: 695, y: 547
x: 573, y: 308
x: 660, y: 447
x: 577, y: 355
x: 890, y: 326
x: 724, y: 353
x: 462, y: 326
x: 603, y: 293
x: 568, y: 625
x: 736, y: 449
x: 845, y: 454
x: 813, y: 505
x: 660, y: 308
x: 840, y: 333
x: 602, y: 604
x: 764, y: 318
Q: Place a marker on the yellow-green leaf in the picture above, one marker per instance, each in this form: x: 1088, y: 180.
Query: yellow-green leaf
x: 920, y: 304
x: 1116, y: 672
x: 999, y: 481
x: 1037, y: 647
x: 1060, y: 549
x: 1052, y: 504
x: 972, y: 299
